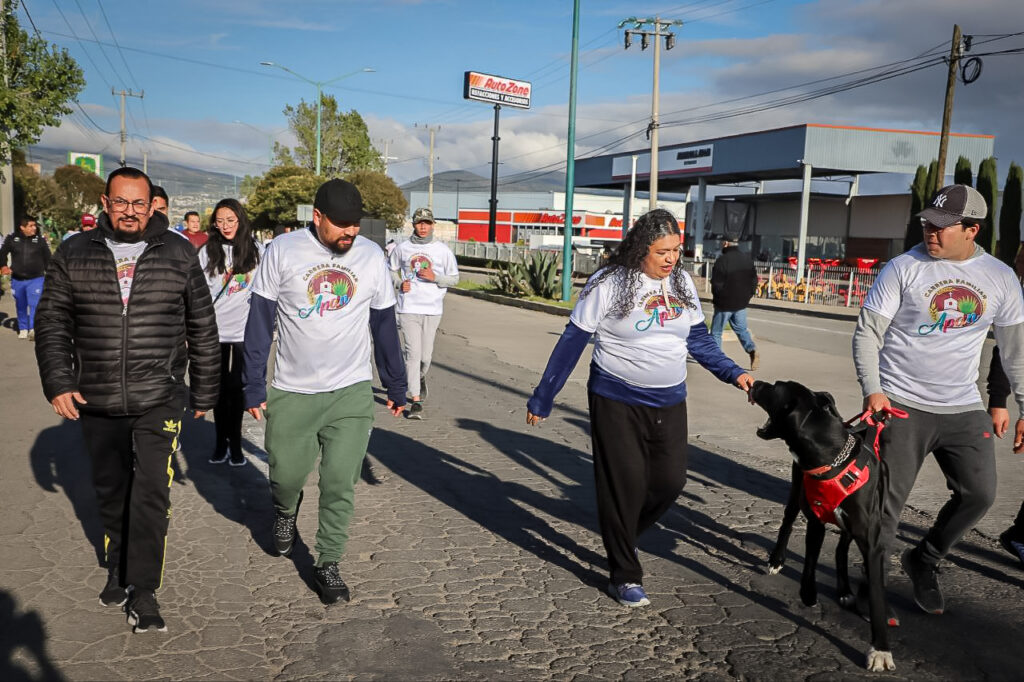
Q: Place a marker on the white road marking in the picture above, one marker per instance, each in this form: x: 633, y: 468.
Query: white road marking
x: 801, y: 326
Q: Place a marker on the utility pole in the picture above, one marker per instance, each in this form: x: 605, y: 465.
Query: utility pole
x: 955, y: 51
x: 660, y: 30
x: 6, y: 169
x: 145, y: 162
x: 430, y: 165
x: 124, y: 129
x: 385, y: 157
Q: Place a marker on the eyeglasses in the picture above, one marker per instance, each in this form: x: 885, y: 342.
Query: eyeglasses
x: 928, y: 227
x: 225, y: 222
x: 121, y: 205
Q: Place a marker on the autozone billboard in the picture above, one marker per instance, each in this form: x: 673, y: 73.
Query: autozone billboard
x: 497, y: 90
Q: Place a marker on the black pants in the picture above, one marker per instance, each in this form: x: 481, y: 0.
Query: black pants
x: 227, y: 415
x: 639, y: 470
x: 131, y: 472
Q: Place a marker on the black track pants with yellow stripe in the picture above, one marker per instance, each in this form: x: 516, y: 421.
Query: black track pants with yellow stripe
x: 131, y: 473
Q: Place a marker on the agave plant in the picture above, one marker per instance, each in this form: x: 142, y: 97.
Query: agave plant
x: 510, y: 279
x: 542, y: 274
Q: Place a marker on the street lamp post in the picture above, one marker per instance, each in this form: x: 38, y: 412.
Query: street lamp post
x: 319, y: 88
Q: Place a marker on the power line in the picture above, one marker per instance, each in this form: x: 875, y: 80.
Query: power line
x: 88, y: 25
x: 113, y: 37
x: 80, y: 42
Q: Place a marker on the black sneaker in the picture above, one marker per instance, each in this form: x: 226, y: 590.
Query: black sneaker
x: 113, y: 593
x: 284, y: 534
x: 423, y: 389
x: 415, y: 411
x: 144, y: 612
x: 926, y: 583
x: 329, y: 583
x: 1012, y: 541
x: 218, y: 457
x: 238, y: 460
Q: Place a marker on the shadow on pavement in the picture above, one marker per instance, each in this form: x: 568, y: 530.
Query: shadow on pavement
x: 493, y: 503
x: 59, y: 462
x: 26, y: 633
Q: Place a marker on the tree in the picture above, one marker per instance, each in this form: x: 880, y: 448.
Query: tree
x: 933, y: 170
x: 381, y: 197
x: 247, y: 185
x: 273, y: 200
x: 988, y: 187
x: 918, y: 196
x: 1009, y: 215
x: 962, y: 175
x: 344, y: 140
x: 41, y: 81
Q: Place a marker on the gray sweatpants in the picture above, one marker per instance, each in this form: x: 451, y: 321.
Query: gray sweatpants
x: 418, y: 332
x: 963, y: 448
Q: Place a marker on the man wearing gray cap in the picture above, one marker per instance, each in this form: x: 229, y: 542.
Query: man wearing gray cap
x: 917, y: 347
x: 424, y: 268
x: 329, y: 291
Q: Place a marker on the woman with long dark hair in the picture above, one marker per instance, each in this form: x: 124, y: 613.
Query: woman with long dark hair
x: 644, y: 311
x: 229, y: 259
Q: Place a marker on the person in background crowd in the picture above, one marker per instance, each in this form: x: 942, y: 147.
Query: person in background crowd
x: 193, y: 230
x: 229, y: 259
x: 125, y: 313
x: 425, y: 269
x: 160, y: 201
x: 329, y: 291
x: 733, y: 283
x: 88, y: 222
x: 644, y: 310
x: 30, y: 255
x: 1012, y: 539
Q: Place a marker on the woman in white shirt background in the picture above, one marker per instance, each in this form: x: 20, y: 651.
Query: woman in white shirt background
x: 643, y: 309
x: 229, y: 259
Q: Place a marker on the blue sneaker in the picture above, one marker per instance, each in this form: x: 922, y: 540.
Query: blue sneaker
x: 628, y: 594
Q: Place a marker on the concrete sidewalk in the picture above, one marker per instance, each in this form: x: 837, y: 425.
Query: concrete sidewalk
x: 474, y: 552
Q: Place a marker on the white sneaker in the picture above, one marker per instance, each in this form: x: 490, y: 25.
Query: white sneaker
x: 23, y: 334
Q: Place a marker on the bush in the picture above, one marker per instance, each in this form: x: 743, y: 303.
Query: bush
x: 537, y: 275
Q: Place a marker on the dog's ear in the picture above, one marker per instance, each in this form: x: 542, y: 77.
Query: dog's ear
x: 825, y: 401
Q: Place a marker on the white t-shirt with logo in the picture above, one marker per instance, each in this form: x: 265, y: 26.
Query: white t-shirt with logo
x: 941, y: 311
x: 126, y: 255
x: 231, y: 293
x: 423, y: 297
x: 648, y: 346
x: 323, y: 309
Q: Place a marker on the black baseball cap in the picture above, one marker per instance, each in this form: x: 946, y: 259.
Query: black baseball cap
x: 952, y: 204
x: 340, y: 201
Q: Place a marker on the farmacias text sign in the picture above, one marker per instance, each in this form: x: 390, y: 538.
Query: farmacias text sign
x: 497, y: 90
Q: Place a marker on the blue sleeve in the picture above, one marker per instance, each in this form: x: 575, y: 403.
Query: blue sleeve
x: 387, y: 353
x: 704, y: 350
x: 563, y: 359
x: 259, y: 334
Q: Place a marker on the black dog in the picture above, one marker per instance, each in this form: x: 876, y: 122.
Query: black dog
x: 837, y: 463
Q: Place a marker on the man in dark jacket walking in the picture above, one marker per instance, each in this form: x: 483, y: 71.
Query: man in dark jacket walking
x: 30, y: 254
x: 125, y: 309
x: 733, y: 282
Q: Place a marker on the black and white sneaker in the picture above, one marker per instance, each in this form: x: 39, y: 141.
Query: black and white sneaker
x: 284, y: 534
x: 238, y: 460
x: 113, y: 594
x: 218, y: 457
x: 415, y: 411
x: 329, y: 584
x: 144, y: 612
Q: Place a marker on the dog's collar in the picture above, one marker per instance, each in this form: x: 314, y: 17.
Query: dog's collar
x: 845, y: 454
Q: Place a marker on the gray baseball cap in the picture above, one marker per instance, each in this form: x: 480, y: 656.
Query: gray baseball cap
x: 952, y: 204
x: 422, y: 215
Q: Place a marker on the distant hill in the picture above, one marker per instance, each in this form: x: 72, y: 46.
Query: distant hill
x: 464, y: 181
x: 190, y: 189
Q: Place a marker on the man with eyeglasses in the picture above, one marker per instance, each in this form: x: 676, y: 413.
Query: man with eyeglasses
x: 125, y: 309
x: 917, y: 347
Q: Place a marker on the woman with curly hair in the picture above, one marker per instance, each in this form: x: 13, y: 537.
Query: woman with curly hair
x: 229, y: 260
x: 644, y: 311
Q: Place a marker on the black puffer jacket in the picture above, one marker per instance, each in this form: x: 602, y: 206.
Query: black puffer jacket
x: 126, y: 359
x: 29, y: 255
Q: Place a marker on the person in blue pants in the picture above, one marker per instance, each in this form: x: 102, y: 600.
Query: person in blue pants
x: 30, y: 254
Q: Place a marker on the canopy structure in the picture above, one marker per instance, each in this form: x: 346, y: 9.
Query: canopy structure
x: 799, y: 152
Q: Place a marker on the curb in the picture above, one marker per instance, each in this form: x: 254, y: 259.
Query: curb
x: 514, y: 302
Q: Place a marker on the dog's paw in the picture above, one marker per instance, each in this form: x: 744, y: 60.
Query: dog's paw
x: 774, y: 568
x: 809, y: 597
x: 880, y: 661
x: 848, y: 600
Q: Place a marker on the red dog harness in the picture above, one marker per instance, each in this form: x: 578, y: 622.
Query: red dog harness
x: 827, y: 487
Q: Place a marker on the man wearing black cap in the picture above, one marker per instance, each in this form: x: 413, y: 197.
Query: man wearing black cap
x: 329, y: 291
x: 917, y: 347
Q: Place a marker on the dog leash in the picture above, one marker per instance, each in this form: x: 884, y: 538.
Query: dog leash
x: 869, y: 418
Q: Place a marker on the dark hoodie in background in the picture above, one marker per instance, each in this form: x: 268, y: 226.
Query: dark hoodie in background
x: 733, y: 280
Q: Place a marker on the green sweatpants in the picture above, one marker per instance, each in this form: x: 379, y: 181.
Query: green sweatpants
x: 334, y: 426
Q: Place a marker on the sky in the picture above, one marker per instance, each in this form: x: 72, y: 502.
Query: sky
x: 210, y: 104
